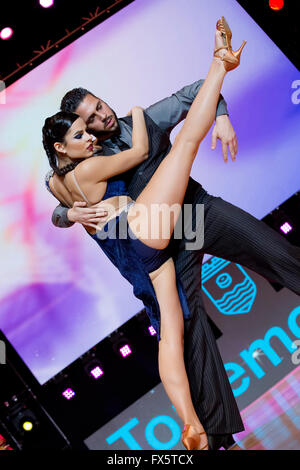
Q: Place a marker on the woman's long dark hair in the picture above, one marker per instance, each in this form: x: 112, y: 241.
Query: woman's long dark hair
x: 54, y: 130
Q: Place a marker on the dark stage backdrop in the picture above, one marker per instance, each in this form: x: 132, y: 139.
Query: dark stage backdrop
x: 259, y: 328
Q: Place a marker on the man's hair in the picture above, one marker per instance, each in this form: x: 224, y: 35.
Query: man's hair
x: 73, y: 99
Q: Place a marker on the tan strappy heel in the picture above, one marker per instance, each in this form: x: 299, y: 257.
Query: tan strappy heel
x: 191, y: 439
x: 231, y: 59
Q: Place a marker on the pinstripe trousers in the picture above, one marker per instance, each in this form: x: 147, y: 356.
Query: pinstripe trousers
x: 235, y: 235
x: 232, y: 234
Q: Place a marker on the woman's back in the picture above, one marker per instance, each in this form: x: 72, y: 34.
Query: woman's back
x: 115, y: 186
x: 68, y: 190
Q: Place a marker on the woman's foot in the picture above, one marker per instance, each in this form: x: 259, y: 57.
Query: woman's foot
x: 194, y: 437
x: 223, y: 50
x: 220, y: 49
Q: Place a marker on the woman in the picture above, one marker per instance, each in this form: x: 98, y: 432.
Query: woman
x: 145, y: 261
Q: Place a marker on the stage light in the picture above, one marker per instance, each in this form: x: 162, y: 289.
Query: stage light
x: 68, y: 393
x: 27, y: 426
x: 276, y: 4
x: 4, y: 444
x: 46, y: 3
x: 152, y: 330
x: 125, y: 350
x: 96, y: 372
x: 146, y: 328
x: 282, y: 221
x: 23, y: 419
x: 286, y: 228
x: 92, y: 366
x: 6, y: 33
x: 121, y: 345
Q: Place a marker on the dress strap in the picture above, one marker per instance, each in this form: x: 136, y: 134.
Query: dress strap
x: 77, y: 185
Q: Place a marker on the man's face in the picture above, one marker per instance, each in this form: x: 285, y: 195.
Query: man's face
x: 100, y: 119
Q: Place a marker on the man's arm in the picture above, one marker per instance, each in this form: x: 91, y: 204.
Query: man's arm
x: 78, y: 213
x: 64, y: 217
x: 60, y: 217
x: 168, y: 112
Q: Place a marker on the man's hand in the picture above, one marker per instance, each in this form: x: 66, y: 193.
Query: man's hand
x: 224, y: 131
x: 90, y: 216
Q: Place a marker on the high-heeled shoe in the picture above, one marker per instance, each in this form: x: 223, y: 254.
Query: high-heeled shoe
x: 231, y: 59
x: 191, y: 439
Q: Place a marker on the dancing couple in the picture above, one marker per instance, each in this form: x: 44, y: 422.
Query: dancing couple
x: 162, y: 272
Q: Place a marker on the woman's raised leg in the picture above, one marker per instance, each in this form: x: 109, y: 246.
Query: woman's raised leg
x: 167, y: 187
x: 165, y: 191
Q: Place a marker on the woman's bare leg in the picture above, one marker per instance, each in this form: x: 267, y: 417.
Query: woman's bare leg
x: 167, y: 187
x: 168, y: 184
x: 171, y: 346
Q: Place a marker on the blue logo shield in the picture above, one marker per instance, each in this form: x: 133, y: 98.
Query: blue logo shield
x: 228, y: 286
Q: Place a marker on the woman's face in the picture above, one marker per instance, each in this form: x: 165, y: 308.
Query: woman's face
x: 78, y: 143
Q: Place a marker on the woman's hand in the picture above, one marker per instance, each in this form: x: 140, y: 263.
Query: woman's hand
x: 134, y: 108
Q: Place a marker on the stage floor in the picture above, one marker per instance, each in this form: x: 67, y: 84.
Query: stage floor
x: 272, y: 422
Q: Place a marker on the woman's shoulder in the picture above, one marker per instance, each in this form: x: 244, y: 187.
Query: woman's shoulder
x: 86, y: 168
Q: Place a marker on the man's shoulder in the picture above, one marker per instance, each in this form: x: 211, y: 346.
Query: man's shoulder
x: 126, y: 123
x: 128, y: 119
x: 125, y: 119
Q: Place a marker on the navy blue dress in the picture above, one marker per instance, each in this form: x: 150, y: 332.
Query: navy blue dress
x: 133, y: 258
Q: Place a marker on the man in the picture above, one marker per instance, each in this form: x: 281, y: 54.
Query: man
x: 167, y: 113
x: 229, y: 233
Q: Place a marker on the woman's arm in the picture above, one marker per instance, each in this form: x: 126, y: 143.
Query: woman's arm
x: 96, y: 169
